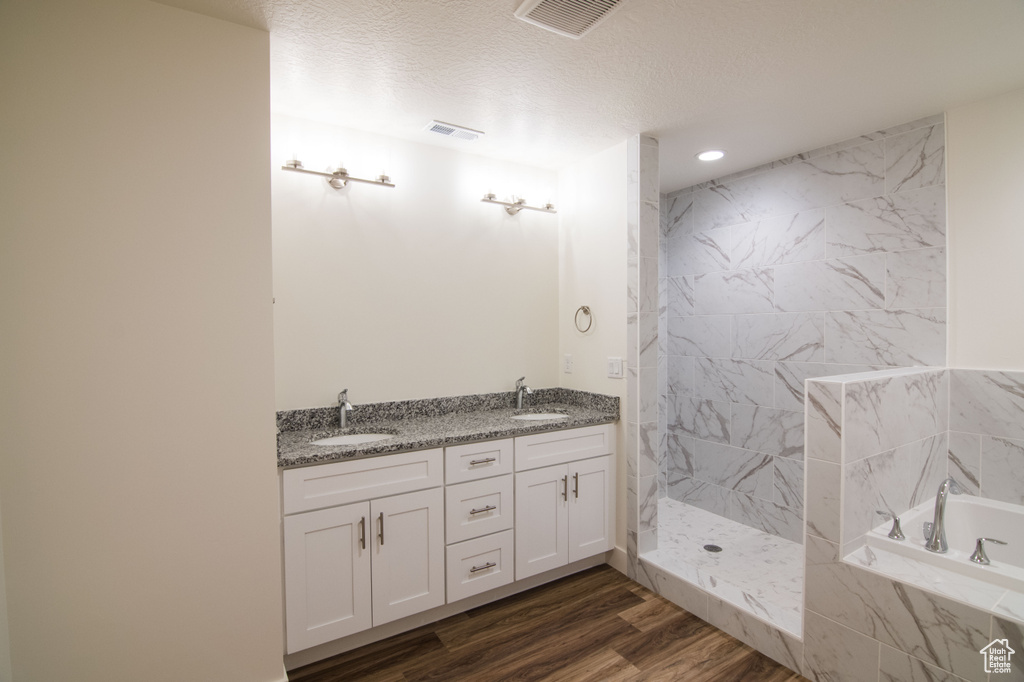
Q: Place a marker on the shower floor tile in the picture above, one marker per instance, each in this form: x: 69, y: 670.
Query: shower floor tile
x: 760, y: 573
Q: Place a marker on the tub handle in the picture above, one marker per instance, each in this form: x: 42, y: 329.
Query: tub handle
x: 979, y: 556
x: 895, y: 533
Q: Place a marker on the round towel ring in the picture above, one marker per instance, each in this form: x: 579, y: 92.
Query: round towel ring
x: 585, y: 309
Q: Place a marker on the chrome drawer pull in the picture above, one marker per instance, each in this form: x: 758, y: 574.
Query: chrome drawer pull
x: 488, y: 508
x: 565, y: 487
x: 362, y: 533
x: 482, y: 461
x: 576, y: 485
x: 489, y: 564
x: 380, y: 533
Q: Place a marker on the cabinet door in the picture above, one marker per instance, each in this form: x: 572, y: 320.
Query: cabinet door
x: 591, y: 507
x: 541, y: 520
x: 327, y: 580
x: 408, y: 554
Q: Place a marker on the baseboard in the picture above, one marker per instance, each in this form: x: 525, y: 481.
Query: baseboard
x: 619, y: 561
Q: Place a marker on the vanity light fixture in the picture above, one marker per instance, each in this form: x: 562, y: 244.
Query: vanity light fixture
x: 516, y: 205
x: 337, y: 178
x: 711, y: 155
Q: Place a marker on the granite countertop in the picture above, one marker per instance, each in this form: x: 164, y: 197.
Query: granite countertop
x: 422, y: 424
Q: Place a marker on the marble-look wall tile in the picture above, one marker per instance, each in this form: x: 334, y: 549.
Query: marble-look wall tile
x: 892, y: 482
x: 834, y: 653
x: 770, y: 641
x: 900, y: 338
x: 648, y: 286
x: 790, y: 378
x: 896, y: 222
x: 1002, y: 469
x: 647, y: 340
x: 987, y: 402
x: 678, y: 210
x: 647, y: 386
x: 681, y: 456
x: 679, y: 296
x: 702, y: 495
x: 934, y: 629
x: 915, y: 159
x: 735, y: 292
x: 647, y: 505
x: 889, y: 411
x: 767, y: 516
x: 648, y: 447
x: 773, y: 432
x: 789, y: 483
x: 703, y: 419
x: 700, y: 335
x: 916, y: 279
x: 1014, y: 634
x: 854, y: 283
x: 896, y: 666
x: 734, y: 468
x: 792, y: 337
x: 680, y: 375
x: 736, y: 381
x: 964, y: 463
x: 823, y: 504
x: 699, y: 252
x: 824, y: 422
x: 789, y: 239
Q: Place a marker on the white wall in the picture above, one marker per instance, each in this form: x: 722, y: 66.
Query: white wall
x: 985, y: 195
x: 592, y: 271
x: 138, y: 478
x: 413, y: 292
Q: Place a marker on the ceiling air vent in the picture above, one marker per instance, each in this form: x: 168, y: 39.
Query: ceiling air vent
x: 571, y: 18
x: 453, y: 131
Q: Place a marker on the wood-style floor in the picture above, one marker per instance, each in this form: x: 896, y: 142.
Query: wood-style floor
x: 595, y: 625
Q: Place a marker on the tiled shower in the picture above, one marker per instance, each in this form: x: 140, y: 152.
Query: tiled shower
x: 829, y: 262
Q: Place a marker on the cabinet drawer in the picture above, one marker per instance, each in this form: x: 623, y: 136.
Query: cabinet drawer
x: 475, y: 566
x: 477, y: 460
x: 558, y: 447
x: 478, y: 508
x: 328, y: 485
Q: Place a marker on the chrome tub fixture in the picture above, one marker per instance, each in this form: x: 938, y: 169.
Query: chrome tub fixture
x: 935, y: 532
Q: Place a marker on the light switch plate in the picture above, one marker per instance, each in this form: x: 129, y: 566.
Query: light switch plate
x: 615, y: 368
x: 567, y: 363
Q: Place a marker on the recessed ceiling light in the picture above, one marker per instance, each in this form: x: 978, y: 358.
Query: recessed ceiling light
x: 711, y: 155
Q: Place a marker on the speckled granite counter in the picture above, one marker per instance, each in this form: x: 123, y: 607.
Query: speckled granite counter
x: 421, y: 424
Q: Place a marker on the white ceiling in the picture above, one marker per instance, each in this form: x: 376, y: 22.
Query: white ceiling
x: 762, y: 79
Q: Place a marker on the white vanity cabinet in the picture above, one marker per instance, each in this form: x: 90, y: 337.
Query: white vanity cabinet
x: 362, y: 564
x: 564, y: 511
x: 480, y: 513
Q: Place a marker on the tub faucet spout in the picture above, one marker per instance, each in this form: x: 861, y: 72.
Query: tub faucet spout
x: 937, y: 540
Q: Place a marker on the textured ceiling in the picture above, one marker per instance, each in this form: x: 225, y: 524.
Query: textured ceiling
x: 762, y: 79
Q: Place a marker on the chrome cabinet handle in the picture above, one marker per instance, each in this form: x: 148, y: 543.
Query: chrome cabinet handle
x: 380, y: 532
x: 488, y: 508
x: 362, y: 533
x: 565, y: 487
x: 576, y: 485
x: 482, y: 461
x: 489, y: 564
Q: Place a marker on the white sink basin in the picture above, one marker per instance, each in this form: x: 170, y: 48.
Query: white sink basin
x: 536, y: 416
x: 353, y: 439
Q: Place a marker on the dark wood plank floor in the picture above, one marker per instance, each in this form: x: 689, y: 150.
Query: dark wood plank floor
x: 595, y: 625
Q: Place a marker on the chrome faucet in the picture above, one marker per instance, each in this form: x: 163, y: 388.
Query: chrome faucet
x: 344, y: 407
x: 937, y: 536
x: 520, y: 387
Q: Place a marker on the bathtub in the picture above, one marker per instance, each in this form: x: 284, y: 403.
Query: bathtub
x: 967, y: 519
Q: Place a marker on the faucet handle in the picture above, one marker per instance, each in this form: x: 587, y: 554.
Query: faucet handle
x: 896, y: 532
x: 979, y: 556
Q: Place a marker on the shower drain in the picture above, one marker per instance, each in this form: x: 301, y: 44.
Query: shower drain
x: 713, y: 548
